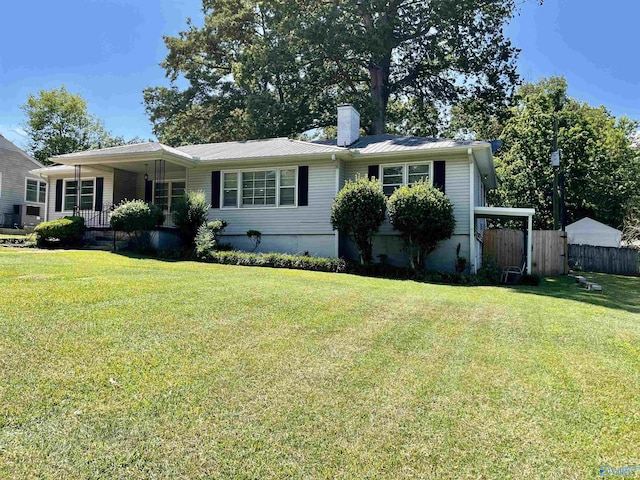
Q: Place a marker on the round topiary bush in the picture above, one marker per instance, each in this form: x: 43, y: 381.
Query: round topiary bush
x: 135, y: 217
x: 359, y: 209
x: 424, y: 217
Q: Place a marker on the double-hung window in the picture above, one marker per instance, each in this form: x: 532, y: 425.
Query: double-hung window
x: 259, y: 188
x: 86, y: 197
x: 167, y: 193
x: 395, y: 176
x: 35, y: 191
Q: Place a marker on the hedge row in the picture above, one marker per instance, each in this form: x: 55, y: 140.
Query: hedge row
x: 277, y: 260
x: 336, y: 265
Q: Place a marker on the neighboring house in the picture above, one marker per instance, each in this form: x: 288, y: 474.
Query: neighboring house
x: 285, y: 188
x: 22, y: 193
x: 591, y: 232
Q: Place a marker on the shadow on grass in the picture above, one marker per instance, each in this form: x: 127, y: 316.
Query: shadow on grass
x: 146, y: 256
x: 619, y: 292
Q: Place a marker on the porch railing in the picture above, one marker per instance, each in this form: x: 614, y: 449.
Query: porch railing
x: 93, y: 219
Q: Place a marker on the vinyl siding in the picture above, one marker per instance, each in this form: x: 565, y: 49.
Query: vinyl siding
x: 456, y: 184
x: 170, y: 175
x: 313, y: 219
x: 107, y: 194
x: 14, y: 169
x: 479, y: 201
x: 124, y: 185
x: 341, y: 174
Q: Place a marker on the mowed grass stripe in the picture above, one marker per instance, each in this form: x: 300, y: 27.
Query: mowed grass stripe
x: 113, y: 366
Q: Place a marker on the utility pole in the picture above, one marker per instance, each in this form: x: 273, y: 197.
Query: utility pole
x: 555, y: 163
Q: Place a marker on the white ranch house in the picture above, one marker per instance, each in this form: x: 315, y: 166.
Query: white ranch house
x: 285, y: 188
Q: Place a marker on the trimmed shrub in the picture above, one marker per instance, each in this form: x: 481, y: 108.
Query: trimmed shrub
x: 189, y: 213
x: 63, y: 232
x: 135, y: 217
x: 359, y: 210
x: 490, y: 272
x: 278, y: 260
x: 206, y: 240
x: 424, y: 216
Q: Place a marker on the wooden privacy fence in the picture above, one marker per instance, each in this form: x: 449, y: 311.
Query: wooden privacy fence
x: 508, y: 248
x: 620, y: 261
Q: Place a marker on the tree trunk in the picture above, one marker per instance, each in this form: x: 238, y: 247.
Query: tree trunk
x: 379, y: 74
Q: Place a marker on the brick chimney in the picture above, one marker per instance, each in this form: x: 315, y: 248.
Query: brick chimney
x: 348, y: 125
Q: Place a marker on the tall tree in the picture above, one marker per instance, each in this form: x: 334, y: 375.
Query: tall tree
x: 278, y: 67
x: 59, y: 122
x: 601, y: 170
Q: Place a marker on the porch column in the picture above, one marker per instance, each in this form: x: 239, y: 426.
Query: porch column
x: 529, y: 242
x: 78, y: 179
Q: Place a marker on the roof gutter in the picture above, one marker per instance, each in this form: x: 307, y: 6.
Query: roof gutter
x: 125, y: 158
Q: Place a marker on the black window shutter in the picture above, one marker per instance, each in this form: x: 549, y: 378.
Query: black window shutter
x: 215, y: 189
x: 439, y: 175
x: 59, y: 195
x: 374, y: 171
x: 303, y: 186
x: 148, y: 191
x: 99, y: 193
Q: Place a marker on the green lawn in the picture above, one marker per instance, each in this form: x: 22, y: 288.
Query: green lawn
x: 118, y: 367
x: 4, y: 236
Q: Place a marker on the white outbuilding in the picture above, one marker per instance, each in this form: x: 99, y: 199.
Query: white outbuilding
x: 588, y: 231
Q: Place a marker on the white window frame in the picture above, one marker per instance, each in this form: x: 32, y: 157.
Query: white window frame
x: 405, y: 171
x: 239, y: 173
x: 64, y: 192
x: 40, y: 182
x: 169, y: 187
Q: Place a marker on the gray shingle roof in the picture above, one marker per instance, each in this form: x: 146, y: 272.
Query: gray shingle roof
x: 9, y: 146
x: 147, y: 147
x: 270, y: 147
x: 373, y: 144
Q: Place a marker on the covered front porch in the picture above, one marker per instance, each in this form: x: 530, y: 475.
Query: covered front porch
x: 91, y: 184
x: 157, y: 182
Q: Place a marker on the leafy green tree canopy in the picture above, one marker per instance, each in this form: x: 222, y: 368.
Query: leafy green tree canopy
x: 601, y: 170
x: 279, y: 67
x: 59, y: 122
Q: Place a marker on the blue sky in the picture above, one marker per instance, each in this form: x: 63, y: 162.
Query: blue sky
x: 109, y: 50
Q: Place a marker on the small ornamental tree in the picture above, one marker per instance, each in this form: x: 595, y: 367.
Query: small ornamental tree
x: 424, y: 216
x: 188, y: 214
x: 359, y: 209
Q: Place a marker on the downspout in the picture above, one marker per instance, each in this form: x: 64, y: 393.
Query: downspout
x: 336, y: 234
x: 472, y: 219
